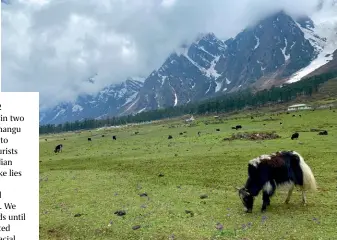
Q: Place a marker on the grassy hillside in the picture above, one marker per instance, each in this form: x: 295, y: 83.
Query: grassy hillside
x: 327, y: 92
x: 100, y: 177
x: 326, y: 95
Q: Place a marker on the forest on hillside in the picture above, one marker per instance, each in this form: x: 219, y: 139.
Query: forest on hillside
x: 225, y: 103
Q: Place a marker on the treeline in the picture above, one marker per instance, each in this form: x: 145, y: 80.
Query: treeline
x: 226, y: 103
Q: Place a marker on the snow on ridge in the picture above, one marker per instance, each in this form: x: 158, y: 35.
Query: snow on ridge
x: 227, y: 81
x: 175, y: 99
x: 193, y: 62
x: 313, y: 38
x: 209, y: 88
x: 218, y: 86
x: 59, y: 113
x: 286, y: 57
x: 257, y: 42
x: 156, y: 97
x: 121, y: 93
x: 175, y: 95
x: 141, y: 110
x: 262, y: 68
x: 130, y: 99
x: 203, y: 49
x: 131, y: 105
x: 77, y: 108
x: 326, y: 29
x: 163, y: 78
x: 184, y: 52
x: 211, y: 72
x: 322, y: 59
x: 292, y: 45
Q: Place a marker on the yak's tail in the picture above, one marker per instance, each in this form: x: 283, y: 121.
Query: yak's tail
x: 309, y: 181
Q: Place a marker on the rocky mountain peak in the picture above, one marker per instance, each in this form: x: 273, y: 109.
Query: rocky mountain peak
x: 260, y: 56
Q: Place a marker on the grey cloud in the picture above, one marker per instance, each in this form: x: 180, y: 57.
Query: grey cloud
x: 55, y: 47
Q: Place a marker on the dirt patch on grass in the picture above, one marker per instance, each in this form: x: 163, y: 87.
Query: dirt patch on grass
x: 56, y: 233
x: 253, y: 136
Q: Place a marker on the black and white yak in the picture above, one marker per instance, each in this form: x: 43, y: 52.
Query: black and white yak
x: 267, y: 172
x: 58, y: 148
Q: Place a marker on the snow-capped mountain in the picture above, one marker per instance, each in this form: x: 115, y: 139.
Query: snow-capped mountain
x: 108, y: 102
x: 260, y: 56
x: 187, y: 75
x: 323, y: 36
x: 275, y: 50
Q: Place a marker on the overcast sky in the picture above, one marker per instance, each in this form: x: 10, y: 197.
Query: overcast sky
x: 54, y: 46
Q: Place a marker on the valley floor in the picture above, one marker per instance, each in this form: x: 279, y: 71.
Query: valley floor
x: 98, y: 178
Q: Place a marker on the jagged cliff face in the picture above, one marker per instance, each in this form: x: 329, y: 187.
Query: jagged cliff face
x: 275, y: 50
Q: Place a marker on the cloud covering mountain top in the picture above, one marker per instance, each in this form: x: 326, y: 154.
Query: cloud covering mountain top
x: 55, y: 46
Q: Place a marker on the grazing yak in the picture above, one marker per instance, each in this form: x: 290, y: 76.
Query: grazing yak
x: 325, y: 132
x: 238, y: 127
x: 58, y: 148
x: 295, y: 136
x: 89, y: 139
x: 267, y: 172
x: 114, y: 137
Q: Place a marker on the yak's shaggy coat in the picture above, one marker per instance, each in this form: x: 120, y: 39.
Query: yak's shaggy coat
x: 267, y: 172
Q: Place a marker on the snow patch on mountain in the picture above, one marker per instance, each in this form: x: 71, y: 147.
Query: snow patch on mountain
x: 141, y: 110
x: 211, y: 72
x: 209, y: 88
x: 77, y: 108
x: 174, y: 94
x: 208, y: 72
x: 61, y: 112
x: 130, y: 99
x: 257, y: 42
x: 286, y: 57
x: 163, y: 78
x: 184, y: 52
x: 323, y: 38
x: 128, y: 109
x: 218, y: 86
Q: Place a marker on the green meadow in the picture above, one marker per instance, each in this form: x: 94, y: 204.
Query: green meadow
x: 93, y: 180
